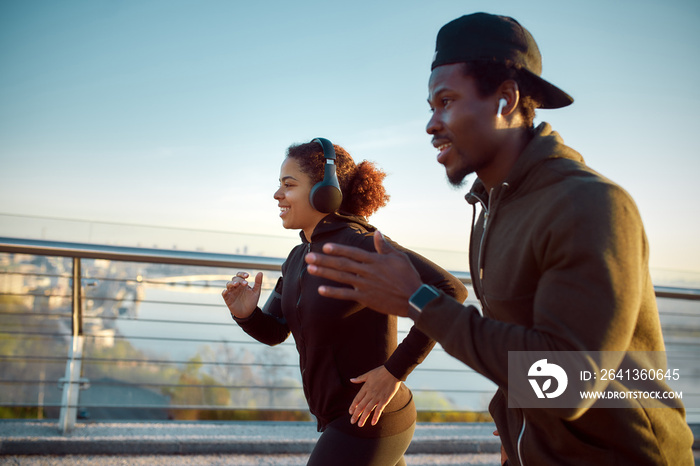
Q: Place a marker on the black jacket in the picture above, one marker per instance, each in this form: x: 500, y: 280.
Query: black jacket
x: 338, y: 340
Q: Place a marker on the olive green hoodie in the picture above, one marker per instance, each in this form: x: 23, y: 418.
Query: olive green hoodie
x: 559, y: 262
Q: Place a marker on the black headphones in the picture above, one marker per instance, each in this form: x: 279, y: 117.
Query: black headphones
x: 326, y: 196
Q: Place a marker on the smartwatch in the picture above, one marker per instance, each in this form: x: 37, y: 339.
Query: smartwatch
x: 421, y: 298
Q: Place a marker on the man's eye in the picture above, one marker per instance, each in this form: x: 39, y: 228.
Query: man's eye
x: 446, y: 102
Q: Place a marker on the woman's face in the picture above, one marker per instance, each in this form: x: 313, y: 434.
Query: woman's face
x: 293, y: 199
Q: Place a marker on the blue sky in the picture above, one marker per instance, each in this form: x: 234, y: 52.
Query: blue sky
x: 177, y: 113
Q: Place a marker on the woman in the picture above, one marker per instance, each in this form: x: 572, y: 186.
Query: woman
x: 351, y: 365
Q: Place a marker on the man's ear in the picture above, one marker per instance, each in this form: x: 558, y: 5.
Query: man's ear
x: 510, y: 92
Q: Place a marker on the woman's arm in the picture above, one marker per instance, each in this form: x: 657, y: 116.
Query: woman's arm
x: 381, y: 384
x: 266, y: 325
x: 416, y: 346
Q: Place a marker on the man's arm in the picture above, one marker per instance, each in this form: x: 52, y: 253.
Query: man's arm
x: 587, y: 299
x: 383, y: 281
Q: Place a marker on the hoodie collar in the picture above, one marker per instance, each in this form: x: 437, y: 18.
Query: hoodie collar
x: 333, y: 222
x: 545, y: 145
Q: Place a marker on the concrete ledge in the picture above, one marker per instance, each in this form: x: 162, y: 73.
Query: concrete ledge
x: 21, y: 437
x: 196, y: 438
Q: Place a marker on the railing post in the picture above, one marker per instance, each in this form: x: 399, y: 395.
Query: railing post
x: 71, y: 381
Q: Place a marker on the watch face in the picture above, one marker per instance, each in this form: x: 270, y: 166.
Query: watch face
x: 423, y: 296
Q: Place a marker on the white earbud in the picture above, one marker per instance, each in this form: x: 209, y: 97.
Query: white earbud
x: 501, y: 103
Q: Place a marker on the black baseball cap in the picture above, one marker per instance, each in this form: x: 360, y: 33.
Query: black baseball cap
x: 499, y: 39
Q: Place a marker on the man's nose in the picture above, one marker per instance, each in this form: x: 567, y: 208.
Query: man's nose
x: 433, y: 124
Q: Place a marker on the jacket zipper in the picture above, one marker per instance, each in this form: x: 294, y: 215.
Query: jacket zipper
x: 302, y: 343
x: 520, y: 441
x: 301, y: 278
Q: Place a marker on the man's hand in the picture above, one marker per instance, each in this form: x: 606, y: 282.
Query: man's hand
x: 383, y: 281
x: 378, y: 390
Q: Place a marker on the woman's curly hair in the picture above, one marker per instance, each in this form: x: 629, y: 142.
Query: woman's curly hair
x: 361, y: 184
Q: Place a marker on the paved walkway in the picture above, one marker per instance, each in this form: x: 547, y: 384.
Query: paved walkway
x: 487, y: 459
x: 43, y: 437
x: 173, y: 443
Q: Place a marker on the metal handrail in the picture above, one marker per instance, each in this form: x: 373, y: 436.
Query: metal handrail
x: 208, y: 259
x: 79, y: 251
x: 129, y: 254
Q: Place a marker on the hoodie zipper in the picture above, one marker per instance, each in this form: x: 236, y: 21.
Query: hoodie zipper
x: 520, y: 441
x: 473, y: 199
x: 489, y: 210
x: 482, y: 241
x: 488, y: 213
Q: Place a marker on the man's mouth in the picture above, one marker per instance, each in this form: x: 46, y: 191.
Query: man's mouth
x: 443, y: 148
x: 283, y: 210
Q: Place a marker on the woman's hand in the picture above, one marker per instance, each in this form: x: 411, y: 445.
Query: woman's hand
x: 240, y: 298
x: 378, y: 390
x: 504, y: 456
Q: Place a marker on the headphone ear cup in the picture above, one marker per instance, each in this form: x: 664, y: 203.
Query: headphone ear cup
x: 326, y: 197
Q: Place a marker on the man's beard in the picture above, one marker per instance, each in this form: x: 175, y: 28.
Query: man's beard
x: 458, y: 179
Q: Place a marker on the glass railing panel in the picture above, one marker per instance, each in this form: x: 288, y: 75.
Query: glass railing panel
x: 35, y: 333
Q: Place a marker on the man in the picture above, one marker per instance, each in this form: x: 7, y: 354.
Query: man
x: 558, y: 256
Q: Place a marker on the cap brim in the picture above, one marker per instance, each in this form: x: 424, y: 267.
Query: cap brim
x: 551, y: 96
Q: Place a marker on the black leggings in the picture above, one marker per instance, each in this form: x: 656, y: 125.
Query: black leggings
x: 337, y: 448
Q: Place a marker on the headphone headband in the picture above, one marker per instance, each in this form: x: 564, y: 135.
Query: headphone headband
x: 327, y: 146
